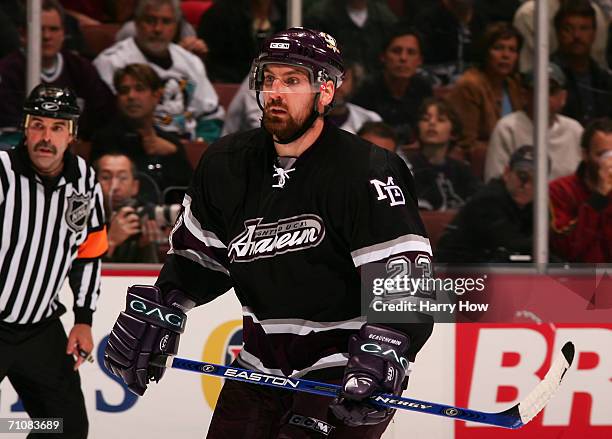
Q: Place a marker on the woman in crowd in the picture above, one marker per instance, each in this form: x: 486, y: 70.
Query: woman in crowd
x: 490, y: 90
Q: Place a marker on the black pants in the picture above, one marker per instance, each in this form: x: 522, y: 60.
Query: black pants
x: 251, y: 411
x: 34, y: 360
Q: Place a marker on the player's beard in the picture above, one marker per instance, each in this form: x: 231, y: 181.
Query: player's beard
x: 283, y: 128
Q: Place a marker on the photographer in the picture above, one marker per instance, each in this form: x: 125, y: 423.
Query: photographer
x: 135, y: 230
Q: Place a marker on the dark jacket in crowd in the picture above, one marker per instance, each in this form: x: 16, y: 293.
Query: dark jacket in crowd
x: 489, y: 228
x: 164, y: 170
x: 589, y: 97
x: 444, y: 50
x: 362, y: 45
x: 445, y: 186
x: 227, y: 29
x: 401, y: 113
x: 78, y: 74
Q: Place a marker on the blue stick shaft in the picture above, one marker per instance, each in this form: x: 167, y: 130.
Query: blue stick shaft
x: 507, y: 419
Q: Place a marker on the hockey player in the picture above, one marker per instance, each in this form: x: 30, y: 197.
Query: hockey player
x: 288, y: 214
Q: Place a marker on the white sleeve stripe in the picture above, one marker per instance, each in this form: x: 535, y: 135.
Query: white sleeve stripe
x: 193, y: 225
x: 86, y: 281
x: 201, y: 259
x: 97, y: 271
x: 377, y: 252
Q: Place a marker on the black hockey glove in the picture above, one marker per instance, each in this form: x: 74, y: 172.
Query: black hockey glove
x: 377, y: 364
x: 149, y: 326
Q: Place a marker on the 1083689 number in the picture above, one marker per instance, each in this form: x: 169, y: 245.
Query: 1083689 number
x: 35, y: 425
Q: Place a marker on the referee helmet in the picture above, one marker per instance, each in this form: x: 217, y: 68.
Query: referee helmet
x: 52, y: 102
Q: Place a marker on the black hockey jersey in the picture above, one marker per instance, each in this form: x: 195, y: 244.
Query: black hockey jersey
x: 291, y: 242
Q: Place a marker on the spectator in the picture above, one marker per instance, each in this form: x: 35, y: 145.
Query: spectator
x: 157, y: 154
x: 73, y: 37
x: 60, y: 68
x: 244, y: 113
x: 486, y: 93
x: 380, y: 134
x: 398, y: 91
x: 234, y: 30
x: 348, y: 116
x: 130, y: 237
x: 189, y: 105
x: 516, y: 129
x: 589, y: 86
x: 524, y: 20
x: 449, y: 31
x: 185, y: 36
x: 497, y: 222
x: 581, y: 204
x: 441, y: 182
x: 358, y: 25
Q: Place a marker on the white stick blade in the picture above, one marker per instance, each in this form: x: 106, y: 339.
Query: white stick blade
x: 541, y: 394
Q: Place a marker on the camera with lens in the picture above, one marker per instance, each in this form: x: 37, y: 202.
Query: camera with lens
x: 165, y: 215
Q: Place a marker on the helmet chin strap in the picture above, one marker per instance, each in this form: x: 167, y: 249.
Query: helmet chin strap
x: 314, y: 114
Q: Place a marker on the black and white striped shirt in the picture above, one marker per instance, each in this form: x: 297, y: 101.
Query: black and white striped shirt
x: 49, y: 230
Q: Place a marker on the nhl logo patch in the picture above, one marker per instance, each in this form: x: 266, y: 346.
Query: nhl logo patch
x: 77, y: 211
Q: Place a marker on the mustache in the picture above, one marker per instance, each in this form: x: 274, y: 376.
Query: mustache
x: 275, y: 103
x: 45, y: 144
x: 278, y: 105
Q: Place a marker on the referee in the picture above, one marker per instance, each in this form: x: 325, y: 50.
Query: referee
x: 51, y: 227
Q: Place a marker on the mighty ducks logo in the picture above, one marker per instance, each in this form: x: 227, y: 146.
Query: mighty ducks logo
x: 330, y: 41
x: 267, y: 240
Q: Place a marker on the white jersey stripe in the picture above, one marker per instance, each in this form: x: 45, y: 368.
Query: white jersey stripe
x: 34, y: 241
x: 378, y: 252
x: 7, y: 229
x: 42, y: 267
x: 24, y: 201
x: 58, y: 257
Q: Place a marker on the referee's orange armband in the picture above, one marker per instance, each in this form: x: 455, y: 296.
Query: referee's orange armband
x: 94, y: 246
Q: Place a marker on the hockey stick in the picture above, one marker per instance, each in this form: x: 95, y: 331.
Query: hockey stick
x: 514, y: 417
